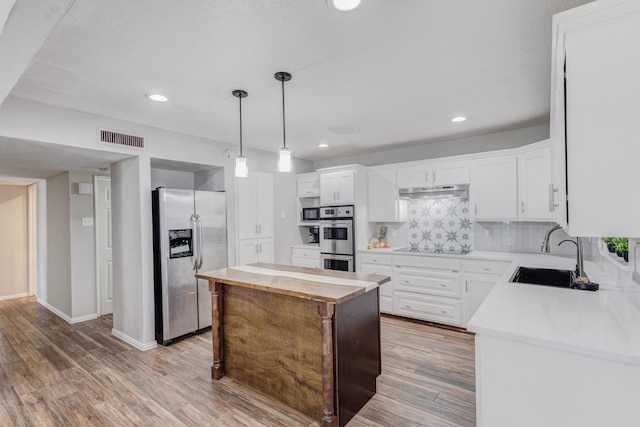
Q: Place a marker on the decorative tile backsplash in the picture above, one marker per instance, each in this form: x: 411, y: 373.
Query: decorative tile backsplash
x: 440, y: 225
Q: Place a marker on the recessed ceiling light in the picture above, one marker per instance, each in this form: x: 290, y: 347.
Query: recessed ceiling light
x: 458, y: 119
x: 344, y: 5
x: 157, y: 97
x: 323, y: 145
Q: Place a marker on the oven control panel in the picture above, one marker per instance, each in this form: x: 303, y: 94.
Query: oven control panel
x: 332, y: 212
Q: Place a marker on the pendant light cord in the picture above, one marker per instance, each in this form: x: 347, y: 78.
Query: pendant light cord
x: 240, y: 98
x: 284, y: 133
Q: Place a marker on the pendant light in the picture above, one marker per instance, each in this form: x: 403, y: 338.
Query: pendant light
x: 241, y: 170
x: 284, y: 154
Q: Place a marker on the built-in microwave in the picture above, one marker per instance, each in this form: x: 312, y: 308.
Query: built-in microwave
x: 310, y: 214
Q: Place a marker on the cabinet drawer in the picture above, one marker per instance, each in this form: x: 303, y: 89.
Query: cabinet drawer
x: 374, y: 258
x: 433, y: 282
x: 305, y: 262
x: 490, y: 267
x: 305, y: 253
x: 435, y: 309
x: 426, y: 261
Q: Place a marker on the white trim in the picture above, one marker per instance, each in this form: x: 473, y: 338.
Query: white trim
x: 133, y: 342
x: 54, y: 310
x: 20, y: 295
x: 32, y: 237
x: 84, y: 318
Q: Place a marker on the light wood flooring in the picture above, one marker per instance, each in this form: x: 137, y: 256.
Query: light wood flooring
x: 53, y: 373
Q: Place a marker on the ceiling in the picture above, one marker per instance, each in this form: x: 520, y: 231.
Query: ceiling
x: 397, y: 71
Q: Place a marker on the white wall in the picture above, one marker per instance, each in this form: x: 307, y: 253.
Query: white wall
x: 13, y: 238
x: 41, y: 238
x: 58, y: 294
x: 83, y: 245
x: 451, y: 147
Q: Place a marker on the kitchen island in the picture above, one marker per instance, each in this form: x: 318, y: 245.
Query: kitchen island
x: 307, y: 337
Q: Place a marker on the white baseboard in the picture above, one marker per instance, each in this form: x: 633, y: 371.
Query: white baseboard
x: 84, y: 318
x: 20, y: 295
x: 64, y: 316
x: 133, y: 342
x: 54, y: 310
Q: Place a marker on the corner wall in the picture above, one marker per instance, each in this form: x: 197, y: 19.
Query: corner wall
x: 58, y: 295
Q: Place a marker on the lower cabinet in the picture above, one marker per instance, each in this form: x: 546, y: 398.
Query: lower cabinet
x: 479, y: 279
x: 255, y: 250
x: 428, y: 288
x: 305, y: 257
x: 380, y: 264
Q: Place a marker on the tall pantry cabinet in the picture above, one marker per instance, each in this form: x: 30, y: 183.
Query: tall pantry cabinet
x: 254, y: 207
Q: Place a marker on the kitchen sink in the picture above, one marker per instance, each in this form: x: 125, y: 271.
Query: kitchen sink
x: 542, y: 276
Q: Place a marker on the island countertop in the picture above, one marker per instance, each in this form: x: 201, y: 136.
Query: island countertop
x: 314, y: 284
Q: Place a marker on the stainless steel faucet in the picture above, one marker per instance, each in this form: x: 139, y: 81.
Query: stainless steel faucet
x: 545, y: 243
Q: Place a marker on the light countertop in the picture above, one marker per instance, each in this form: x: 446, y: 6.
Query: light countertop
x: 300, y: 282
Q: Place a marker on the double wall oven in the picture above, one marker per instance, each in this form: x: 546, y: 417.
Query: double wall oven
x: 336, y: 238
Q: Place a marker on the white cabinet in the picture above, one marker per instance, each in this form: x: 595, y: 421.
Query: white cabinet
x: 337, y: 188
x: 308, y: 184
x: 384, y: 204
x: 254, y: 210
x: 494, y: 188
x: 428, y: 175
x: 255, y: 250
x: 379, y: 264
x: 427, y: 288
x: 254, y: 196
x: 480, y: 277
x: 305, y: 257
x: 597, y: 46
x: 536, y: 190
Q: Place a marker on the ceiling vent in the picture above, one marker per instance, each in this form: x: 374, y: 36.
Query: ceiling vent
x: 118, y: 138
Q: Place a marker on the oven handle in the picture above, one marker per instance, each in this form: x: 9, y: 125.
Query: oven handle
x: 337, y: 257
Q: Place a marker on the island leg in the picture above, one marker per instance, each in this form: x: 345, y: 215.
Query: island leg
x: 217, y: 370
x: 326, y: 312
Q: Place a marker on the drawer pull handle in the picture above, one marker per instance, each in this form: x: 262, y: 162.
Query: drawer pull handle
x: 443, y: 312
x: 454, y: 271
x: 442, y: 285
x: 407, y: 306
x: 406, y: 281
x: 486, y: 269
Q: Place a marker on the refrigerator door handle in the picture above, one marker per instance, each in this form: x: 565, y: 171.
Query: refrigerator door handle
x: 199, y: 224
x: 194, y: 242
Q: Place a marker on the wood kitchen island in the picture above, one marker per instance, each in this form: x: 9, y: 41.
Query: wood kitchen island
x: 307, y: 337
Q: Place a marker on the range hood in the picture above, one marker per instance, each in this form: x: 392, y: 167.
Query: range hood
x: 438, y: 191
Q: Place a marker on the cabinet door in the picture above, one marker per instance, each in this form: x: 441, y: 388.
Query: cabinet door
x: 309, y: 185
x: 247, y: 207
x: 494, y: 189
x: 414, y: 177
x: 602, y: 126
x: 450, y: 173
x: 247, y: 251
x: 264, y: 204
x: 265, y: 250
x: 383, y: 201
x: 346, y: 189
x: 329, y: 183
x: 478, y: 287
x: 536, y: 194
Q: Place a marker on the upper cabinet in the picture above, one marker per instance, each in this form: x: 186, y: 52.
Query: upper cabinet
x: 536, y: 191
x: 384, y: 204
x: 595, y: 63
x: 308, y: 184
x: 254, y: 201
x: 494, y: 189
x: 429, y: 175
x: 337, y: 188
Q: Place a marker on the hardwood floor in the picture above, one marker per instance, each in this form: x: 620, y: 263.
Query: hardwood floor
x: 53, y: 373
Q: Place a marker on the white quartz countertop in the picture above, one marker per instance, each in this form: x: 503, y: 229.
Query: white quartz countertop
x: 602, y: 324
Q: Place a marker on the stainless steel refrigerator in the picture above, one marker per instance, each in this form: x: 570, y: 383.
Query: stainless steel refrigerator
x: 189, y: 235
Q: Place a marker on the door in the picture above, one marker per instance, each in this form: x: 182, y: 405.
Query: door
x: 212, y: 213
x: 450, y: 173
x: 247, y: 251
x: 265, y: 250
x: 494, y: 189
x: 264, y: 198
x: 102, y: 185
x: 535, y: 185
x: 247, y: 207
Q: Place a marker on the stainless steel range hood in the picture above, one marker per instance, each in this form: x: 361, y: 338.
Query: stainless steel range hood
x: 438, y: 191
